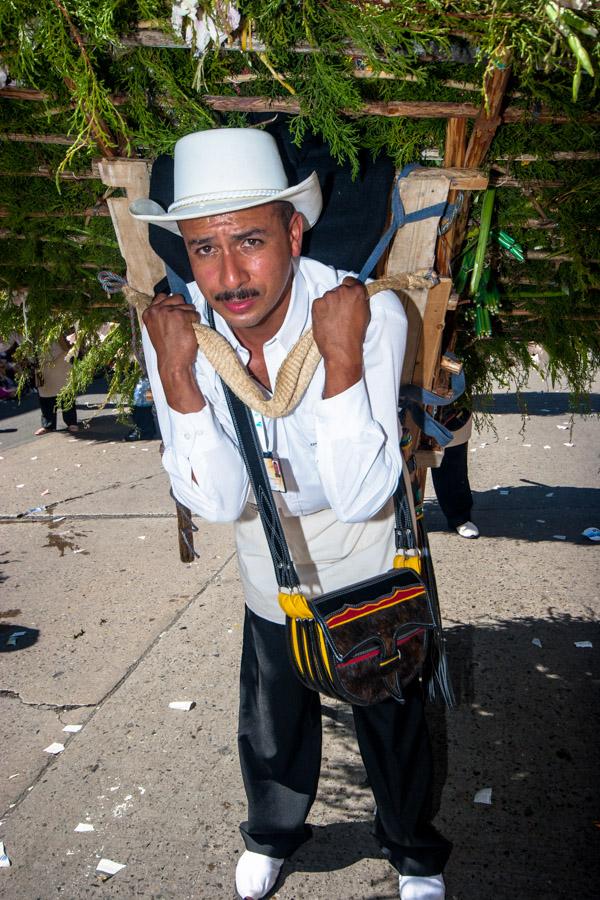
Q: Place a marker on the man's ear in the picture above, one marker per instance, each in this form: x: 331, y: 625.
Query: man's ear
x: 295, y: 232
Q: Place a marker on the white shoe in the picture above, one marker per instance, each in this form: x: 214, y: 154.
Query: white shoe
x: 468, y: 530
x: 415, y: 887
x: 256, y: 874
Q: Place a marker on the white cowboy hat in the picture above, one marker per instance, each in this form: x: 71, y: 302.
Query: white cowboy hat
x: 227, y: 169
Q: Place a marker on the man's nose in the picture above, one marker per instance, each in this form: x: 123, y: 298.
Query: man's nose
x: 233, y: 271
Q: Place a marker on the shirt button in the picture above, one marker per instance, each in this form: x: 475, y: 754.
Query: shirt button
x: 187, y: 435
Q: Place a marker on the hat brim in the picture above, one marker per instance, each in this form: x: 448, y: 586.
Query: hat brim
x: 306, y: 198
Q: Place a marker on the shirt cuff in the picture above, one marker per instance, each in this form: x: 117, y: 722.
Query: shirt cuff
x: 348, y: 412
x: 186, y: 427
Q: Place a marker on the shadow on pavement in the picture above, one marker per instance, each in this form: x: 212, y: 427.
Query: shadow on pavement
x: 526, y: 726
x: 532, y: 512
x: 16, y: 637
x: 537, y: 403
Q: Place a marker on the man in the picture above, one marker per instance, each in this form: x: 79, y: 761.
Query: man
x: 340, y: 459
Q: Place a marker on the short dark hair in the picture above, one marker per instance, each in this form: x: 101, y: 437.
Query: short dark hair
x: 286, y: 211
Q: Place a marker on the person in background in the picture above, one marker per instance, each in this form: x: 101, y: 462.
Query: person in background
x: 141, y: 412
x: 451, y: 479
x: 51, y: 376
x: 8, y: 388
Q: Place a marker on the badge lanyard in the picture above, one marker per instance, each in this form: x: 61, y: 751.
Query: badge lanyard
x: 271, y: 460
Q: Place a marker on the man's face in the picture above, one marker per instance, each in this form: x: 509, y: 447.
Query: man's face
x: 242, y: 263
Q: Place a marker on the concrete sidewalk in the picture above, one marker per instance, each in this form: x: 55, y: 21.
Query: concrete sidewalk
x: 116, y: 628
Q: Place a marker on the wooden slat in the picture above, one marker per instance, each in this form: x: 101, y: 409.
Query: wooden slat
x: 62, y: 139
x: 428, y: 354
x: 99, y: 210
x: 413, y: 247
x: 144, y: 267
x: 461, y: 179
x: 411, y: 109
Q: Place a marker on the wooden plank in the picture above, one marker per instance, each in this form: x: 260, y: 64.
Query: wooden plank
x: 461, y: 179
x: 61, y: 139
x: 454, y: 154
x: 411, y: 109
x: 144, y: 267
x: 428, y: 354
x: 413, y: 247
x: 99, y: 210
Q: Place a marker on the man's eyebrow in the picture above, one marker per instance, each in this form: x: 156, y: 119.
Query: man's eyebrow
x: 242, y: 235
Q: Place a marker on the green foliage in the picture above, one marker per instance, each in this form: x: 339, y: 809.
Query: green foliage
x: 111, y: 95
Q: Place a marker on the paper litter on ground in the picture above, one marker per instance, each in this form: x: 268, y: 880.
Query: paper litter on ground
x: 4, y: 860
x: 109, y: 867
x: 547, y: 447
x: 584, y: 645
x: 551, y: 494
x: 483, y: 796
x: 559, y: 537
x: 562, y: 427
x: 536, y: 642
x: 72, y: 729
x: 54, y: 748
x: 569, y: 445
x: 185, y: 705
x: 84, y: 826
x: 592, y: 534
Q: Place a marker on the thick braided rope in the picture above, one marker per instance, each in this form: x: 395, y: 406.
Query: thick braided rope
x: 297, y: 369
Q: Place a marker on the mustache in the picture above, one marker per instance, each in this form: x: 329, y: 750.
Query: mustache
x: 241, y: 294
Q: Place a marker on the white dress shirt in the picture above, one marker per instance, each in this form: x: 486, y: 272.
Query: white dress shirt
x: 341, y: 453
x: 340, y: 456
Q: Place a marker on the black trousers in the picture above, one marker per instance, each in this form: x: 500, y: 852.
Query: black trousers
x: 48, y: 408
x: 279, y: 743
x: 451, y: 485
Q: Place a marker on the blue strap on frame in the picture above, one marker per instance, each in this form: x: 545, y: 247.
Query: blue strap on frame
x: 412, y: 397
x: 400, y: 218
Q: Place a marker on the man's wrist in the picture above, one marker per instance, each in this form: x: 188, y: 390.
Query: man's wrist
x: 181, y: 390
x: 341, y: 374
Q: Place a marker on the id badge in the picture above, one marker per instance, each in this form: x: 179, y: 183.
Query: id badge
x: 274, y: 472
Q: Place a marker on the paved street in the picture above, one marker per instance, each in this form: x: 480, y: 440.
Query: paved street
x: 114, y: 627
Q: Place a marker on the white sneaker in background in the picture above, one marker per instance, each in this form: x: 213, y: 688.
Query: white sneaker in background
x: 256, y: 874
x: 415, y: 887
x: 468, y: 530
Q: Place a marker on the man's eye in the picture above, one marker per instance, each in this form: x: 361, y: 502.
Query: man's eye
x: 204, y: 250
x: 252, y: 242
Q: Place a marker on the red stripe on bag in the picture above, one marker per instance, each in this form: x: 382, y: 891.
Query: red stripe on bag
x: 371, y: 653
x: 357, y: 612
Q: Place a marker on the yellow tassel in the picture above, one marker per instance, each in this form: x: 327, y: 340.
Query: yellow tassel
x: 295, y: 645
x: 324, y: 655
x: 294, y: 605
x: 407, y: 562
